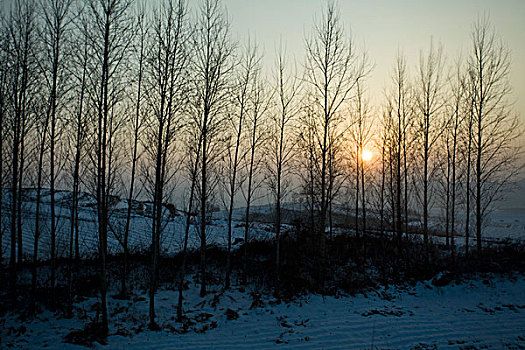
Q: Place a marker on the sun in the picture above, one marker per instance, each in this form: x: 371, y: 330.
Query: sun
x: 366, y: 155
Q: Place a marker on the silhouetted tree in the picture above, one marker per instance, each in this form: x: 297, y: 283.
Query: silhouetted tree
x: 495, y: 127
x: 212, y: 67
x: 332, y: 70
x: 110, y: 39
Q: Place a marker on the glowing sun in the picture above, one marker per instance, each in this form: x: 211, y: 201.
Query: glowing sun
x: 366, y: 155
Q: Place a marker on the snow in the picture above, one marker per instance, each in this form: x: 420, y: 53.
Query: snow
x: 475, y: 313
x: 500, y: 226
x: 140, y: 228
x: 485, y: 312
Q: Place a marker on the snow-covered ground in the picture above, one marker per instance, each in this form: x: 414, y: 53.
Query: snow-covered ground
x: 485, y: 312
x: 475, y: 314
x: 506, y: 224
x: 140, y: 228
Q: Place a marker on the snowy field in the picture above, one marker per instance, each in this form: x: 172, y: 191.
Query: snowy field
x: 140, y: 228
x: 502, y: 225
x: 481, y: 314
x: 487, y: 312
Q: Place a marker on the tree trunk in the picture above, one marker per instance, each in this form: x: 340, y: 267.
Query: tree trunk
x: 382, y: 193
x: 37, y: 213
x: 248, y: 200
x: 357, y: 169
x: 189, y: 213
x: 20, y: 192
x: 203, y: 206
x: 123, y: 287
x: 467, y: 192
x: 363, y: 198
x: 447, y: 196
x: 232, y: 195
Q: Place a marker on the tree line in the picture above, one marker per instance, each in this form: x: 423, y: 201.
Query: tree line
x: 120, y: 99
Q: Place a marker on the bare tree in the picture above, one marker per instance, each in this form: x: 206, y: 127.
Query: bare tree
x: 244, y: 85
x: 336, y: 172
x: 468, y: 172
x: 3, y: 93
x: 21, y: 32
x: 308, y: 161
x: 332, y: 70
x: 55, y: 23
x: 259, y: 104
x: 212, y: 68
x: 280, y: 143
x: 495, y: 127
x: 43, y: 131
x: 360, y: 134
x: 399, y: 122
x: 140, y: 52
x: 80, y: 67
x: 110, y: 44
x: 194, y: 155
x: 456, y: 119
x: 382, y: 188
x: 390, y: 145
x: 167, y: 64
x: 429, y: 102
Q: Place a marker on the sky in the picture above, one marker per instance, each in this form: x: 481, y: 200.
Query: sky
x: 383, y: 27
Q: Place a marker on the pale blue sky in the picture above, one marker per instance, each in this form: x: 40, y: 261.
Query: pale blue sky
x: 384, y: 26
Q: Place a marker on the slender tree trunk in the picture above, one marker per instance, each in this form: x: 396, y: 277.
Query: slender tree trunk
x: 329, y: 193
x: 157, y: 216
x: 22, y: 72
x: 73, y: 233
x: 101, y: 173
x: 123, y: 287
x: 2, y: 108
x: 203, y: 205
x: 160, y: 176
x: 479, y: 141
x: 453, y: 199
x: 312, y: 190
x: 20, y: 193
x: 278, y: 220
x: 232, y: 195
x: 38, y: 205
x: 14, y: 205
x: 405, y: 187
x: 248, y: 200
x: 363, y: 197
x: 357, y: 169
x: 393, y: 192
x: 76, y: 171
x: 330, y: 217
x: 425, y: 185
x: 447, y: 196
x: 189, y: 213
x: 278, y: 201
x: 157, y: 210
x: 324, y: 149
x: 382, y: 194
x: 52, y: 175
x: 467, y: 192
x: 399, y: 229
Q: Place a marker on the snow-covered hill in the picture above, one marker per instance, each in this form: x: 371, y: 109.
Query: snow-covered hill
x: 501, y: 225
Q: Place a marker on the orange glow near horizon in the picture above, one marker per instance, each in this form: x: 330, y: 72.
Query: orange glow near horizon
x: 366, y: 155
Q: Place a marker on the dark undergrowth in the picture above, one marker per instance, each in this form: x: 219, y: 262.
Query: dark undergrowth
x: 349, y: 265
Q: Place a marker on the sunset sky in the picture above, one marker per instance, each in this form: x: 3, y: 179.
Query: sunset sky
x: 383, y: 27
